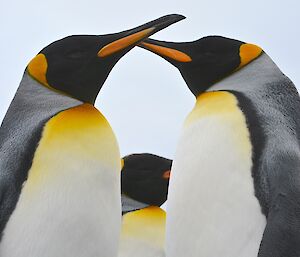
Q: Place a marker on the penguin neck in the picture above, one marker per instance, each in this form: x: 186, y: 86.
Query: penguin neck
x: 253, y: 77
x: 129, y: 204
x: 33, y: 95
x: 30, y: 108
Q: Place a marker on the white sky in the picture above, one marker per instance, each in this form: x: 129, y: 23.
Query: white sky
x: 144, y: 99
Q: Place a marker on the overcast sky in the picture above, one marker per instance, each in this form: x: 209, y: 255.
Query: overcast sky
x: 144, y: 99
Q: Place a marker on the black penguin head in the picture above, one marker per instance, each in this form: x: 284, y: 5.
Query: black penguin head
x: 145, y: 178
x: 79, y: 65
x: 206, y: 61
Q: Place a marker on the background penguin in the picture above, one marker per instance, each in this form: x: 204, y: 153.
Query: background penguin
x: 145, y: 180
x: 51, y: 172
x: 241, y: 140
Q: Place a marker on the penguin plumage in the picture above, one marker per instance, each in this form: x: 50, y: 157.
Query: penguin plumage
x: 145, y: 180
x: 59, y: 155
x: 240, y: 141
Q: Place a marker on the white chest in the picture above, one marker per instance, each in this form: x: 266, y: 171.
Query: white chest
x: 212, y: 209
x: 70, y: 203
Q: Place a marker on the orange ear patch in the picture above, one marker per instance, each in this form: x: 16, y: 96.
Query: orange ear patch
x: 173, y: 54
x: 248, y: 52
x: 37, y: 68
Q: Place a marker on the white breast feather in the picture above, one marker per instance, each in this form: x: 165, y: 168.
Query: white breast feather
x: 212, y: 209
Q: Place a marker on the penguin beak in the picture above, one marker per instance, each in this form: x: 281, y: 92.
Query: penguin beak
x: 128, y: 39
x: 167, y: 50
x: 167, y: 174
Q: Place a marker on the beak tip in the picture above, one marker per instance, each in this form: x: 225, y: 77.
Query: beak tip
x: 175, y: 17
x: 167, y: 20
x: 181, y: 17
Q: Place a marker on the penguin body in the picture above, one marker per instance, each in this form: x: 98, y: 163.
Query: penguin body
x: 234, y: 189
x: 59, y: 155
x: 217, y: 181
x: 144, y: 177
x: 63, y: 184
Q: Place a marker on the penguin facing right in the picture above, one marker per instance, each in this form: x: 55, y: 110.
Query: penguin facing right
x: 59, y: 155
x: 235, y: 185
x: 144, y: 183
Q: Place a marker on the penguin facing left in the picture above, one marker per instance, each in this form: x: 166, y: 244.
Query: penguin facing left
x: 59, y: 155
x: 144, y: 183
x: 237, y: 164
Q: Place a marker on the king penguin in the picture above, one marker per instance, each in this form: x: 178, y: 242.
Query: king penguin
x: 144, y: 183
x: 235, y: 188
x: 59, y: 155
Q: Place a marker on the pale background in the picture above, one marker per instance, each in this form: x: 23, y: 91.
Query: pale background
x: 144, y: 98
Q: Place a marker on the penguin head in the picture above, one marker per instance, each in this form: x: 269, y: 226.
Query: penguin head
x: 79, y: 65
x: 145, y: 178
x: 206, y: 61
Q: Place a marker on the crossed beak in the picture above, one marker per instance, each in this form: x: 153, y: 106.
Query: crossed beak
x: 128, y: 39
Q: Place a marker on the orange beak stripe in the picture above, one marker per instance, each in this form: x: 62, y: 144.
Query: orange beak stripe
x: 124, y: 42
x: 168, y: 52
